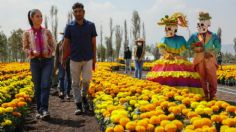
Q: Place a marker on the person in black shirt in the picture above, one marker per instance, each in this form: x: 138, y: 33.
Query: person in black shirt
x: 139, y: 53
x: 127, y: 57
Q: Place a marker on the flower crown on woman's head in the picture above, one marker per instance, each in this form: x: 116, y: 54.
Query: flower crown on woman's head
x: 174, y: 20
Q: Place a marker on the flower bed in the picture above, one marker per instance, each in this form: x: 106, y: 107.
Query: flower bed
x: 227, y: 75
x: 125, y: 103
x: 122, y: 103
x: 16, y: 92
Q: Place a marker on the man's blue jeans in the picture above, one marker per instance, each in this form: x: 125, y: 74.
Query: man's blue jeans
x: 67, y: 83
x: 41, y: 69
x: 138, y: 69
x: 128, y: 65
x: 64, y: 78
x: 61, y: 78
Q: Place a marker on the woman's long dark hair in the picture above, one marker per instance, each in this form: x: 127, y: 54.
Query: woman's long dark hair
x: 31, y: 13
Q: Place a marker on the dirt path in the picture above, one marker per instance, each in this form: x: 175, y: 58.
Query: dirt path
x: 62, y: 119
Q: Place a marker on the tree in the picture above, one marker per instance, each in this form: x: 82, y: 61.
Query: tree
x: 154, y: 51
x: 228, y: 58
x: 126, y: 41
x: 3, y: 47
x: 101, y: 48
x: 219, y: 32
x: 54, y: 20
x: 144, y: 32
x: 235, y: 45
x: 118, y: 34
x: 148, y: 48
x: 15, y: 46
x: 109, y: 48
x: 101, y: 52
x: 109, y: 42
x: 46, y: 22
x: 136, y: 25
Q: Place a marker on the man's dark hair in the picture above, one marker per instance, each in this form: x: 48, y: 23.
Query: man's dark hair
x: 78, y: 5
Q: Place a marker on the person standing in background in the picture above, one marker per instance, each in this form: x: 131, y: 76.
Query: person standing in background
x: 139, y: 53
x: 127, y: 57
x: 61, y: 70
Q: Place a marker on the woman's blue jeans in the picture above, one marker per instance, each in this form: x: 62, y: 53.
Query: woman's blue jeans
x: 41, y: 69
x: 138, y: 69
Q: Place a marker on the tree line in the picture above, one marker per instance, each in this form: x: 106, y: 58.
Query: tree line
x: 111, y: 50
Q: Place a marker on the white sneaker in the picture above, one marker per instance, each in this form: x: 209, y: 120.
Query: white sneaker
x: 45, y: 115
x: 38, y: 116
x: 78, y: 111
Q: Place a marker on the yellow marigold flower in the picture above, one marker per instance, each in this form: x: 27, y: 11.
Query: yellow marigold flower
x: 9, y: 109
x: 170, y: 127
x: 230, y: 108
x: 216, y: 118
x: 208, y: 111
x: 8, y: 122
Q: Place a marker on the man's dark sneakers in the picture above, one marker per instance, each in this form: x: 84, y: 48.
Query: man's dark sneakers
x: 85, y: 104
x: 78, y: 110
x: 86, y: 108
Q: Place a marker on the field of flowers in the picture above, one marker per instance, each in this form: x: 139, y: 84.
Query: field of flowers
x: 122, y: 103
x: 227, y: 75
x: 125, y: 103
x: 16, y: 92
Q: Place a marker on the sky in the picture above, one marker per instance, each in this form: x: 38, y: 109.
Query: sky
x: 13, y: 15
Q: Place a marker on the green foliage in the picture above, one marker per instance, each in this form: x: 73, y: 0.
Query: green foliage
x: 54, y: 20
x: 228, y: 58
x: 15, y: 52
x: 3, y: 47
x: 136, y: 24
x: 153, y: 50
x: 101, y: 52
x: 126, y: 41
x: 109, y: 51
x: 119, y: 34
